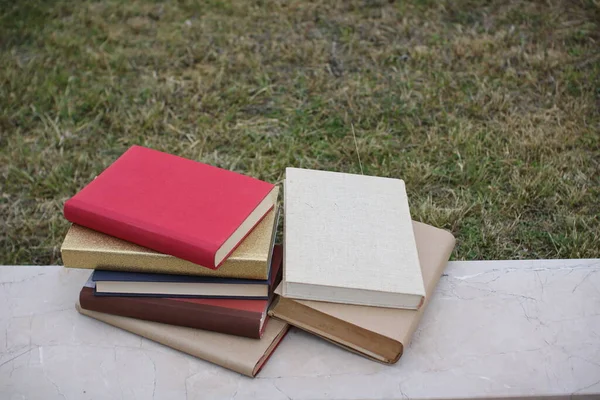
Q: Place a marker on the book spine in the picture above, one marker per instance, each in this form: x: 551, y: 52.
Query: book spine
x: 217, y: 319
x: 158, y: 264
x: 139, y: 233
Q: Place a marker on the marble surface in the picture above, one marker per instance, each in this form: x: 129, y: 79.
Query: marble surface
x: 502, y: 329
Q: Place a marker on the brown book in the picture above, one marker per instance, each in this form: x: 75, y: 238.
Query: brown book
x: 86, y: 248
x: 232, y: 316
x: 244, y: 355
x: 378, y: 333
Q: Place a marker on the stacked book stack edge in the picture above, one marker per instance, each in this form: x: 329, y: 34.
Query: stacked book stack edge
x: 378, y: 333
x: 226, y: 315
x: 184, y: 254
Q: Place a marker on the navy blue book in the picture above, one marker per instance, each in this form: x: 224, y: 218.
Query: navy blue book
x: 117, y: 283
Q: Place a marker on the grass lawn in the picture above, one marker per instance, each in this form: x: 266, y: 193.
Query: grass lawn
x: 489, y: 110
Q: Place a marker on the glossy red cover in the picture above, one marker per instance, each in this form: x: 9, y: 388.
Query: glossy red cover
x: 167, y: 203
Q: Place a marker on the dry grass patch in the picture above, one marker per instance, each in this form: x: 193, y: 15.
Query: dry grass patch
x: 488, y: 110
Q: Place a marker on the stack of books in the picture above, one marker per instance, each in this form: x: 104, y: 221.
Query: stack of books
x: 183, y: 254
x: 357, y: 270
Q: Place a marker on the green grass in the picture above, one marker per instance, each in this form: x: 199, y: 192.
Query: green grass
x: 488, y: 110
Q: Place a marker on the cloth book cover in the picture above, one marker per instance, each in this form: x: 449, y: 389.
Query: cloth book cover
x: 117, y: 283
x: 241, y: 354
x: 349, y: 239
x: 173, y: 205
x: 86, y: 248
x: 378, y: 333
x: 231, y: 316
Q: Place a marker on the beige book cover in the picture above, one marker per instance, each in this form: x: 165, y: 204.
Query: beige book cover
x: 349, y: 239
x: 240, y: 354
x: 86, y: 248
x: 375, y: 332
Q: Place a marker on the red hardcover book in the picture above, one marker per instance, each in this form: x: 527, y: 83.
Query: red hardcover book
x: 175, y: 206
x: 235, y: 317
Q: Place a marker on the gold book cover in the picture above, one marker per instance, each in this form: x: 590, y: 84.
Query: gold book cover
x: 86, y: 248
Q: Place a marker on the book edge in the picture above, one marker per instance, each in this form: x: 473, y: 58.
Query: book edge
x: 274, y: 311
x: 123, y: 323
x: 294, y: 291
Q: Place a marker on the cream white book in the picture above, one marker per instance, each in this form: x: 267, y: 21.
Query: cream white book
x: 349, y: 239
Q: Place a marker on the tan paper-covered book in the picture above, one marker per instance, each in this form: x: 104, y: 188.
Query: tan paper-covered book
x: 375, y: 332
x: 86, y: 248
x: 241, y: 354
x: 349, y: 239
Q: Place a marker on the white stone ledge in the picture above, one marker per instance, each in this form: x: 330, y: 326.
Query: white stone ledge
x: 494, y: 329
